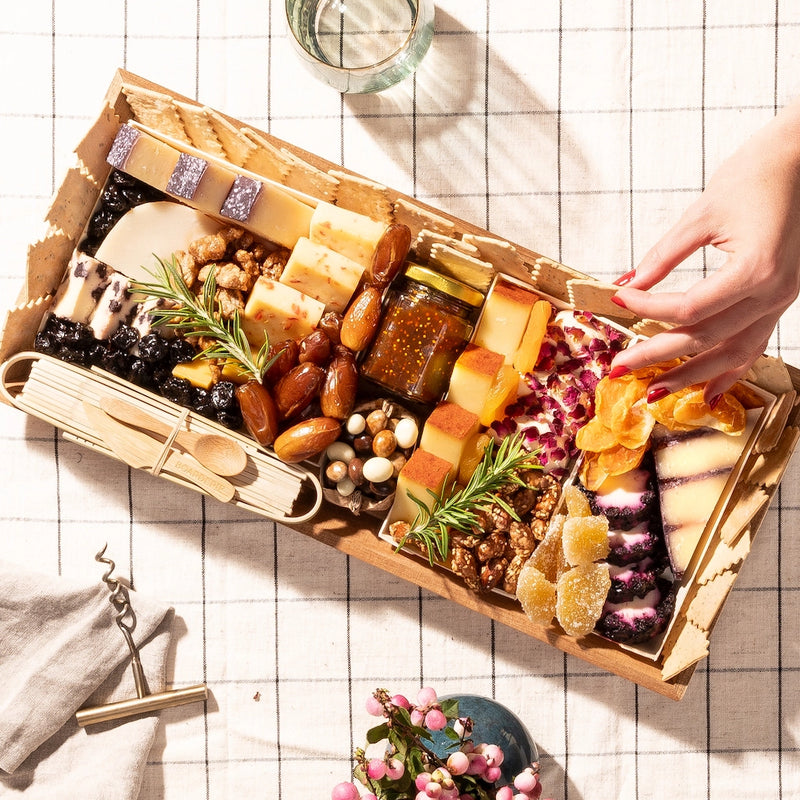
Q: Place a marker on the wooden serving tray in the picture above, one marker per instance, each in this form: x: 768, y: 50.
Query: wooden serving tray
x: 131, y: 97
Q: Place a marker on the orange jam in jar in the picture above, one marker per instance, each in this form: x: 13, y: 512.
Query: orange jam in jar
x: 427, y: 321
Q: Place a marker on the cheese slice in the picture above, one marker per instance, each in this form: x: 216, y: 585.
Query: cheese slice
x: 473, y: 376
x: 347, y: 232
x: 277, y: 312
x: 82, y: 286
x: 322, y: 273
x: 267, y: 211
x: 446, y: 432
x: 149, y: 230
x: 504, y: 319
x: 423, y: 473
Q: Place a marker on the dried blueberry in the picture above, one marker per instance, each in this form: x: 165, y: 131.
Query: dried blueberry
x: 230, y: 418
x: 124, y: 337
x: 202, y: 403
x: 178, y: 390
x: 79, y: 337
x: 141, y: 373
x: 73, y: 356
x: 181, y: 351
x: 223, y: 396
x: 113, y: 199
x: 153, y: 348
x: 45, y: 343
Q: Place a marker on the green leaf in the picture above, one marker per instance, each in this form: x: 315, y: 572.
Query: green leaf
x: 450, y: 708
x: 378, y: 733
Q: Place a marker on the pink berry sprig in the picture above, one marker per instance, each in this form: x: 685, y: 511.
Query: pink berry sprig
x: 409, y: 769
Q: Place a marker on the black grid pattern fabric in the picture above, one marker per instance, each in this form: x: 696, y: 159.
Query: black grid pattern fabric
x: 578, y: 129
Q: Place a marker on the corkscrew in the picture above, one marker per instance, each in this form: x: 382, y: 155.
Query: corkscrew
x: 144, y: 702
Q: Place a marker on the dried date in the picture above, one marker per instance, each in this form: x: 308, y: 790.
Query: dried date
x: 259, y: 412
x: 338, y: 393
x: 307, y: 439
x: 361, y: 319
x: 295, y: 390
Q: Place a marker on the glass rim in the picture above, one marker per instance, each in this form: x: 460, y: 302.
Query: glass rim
x: 367, y: 69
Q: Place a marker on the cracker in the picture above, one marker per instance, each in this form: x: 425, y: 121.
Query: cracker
x: 418, y: 218
x: 552, y: 277
x: 267, y: 159
x: 593, y: 296
x: 238, y: 148
x: 94, y: 147
x: 73, y: 203
x: 649, y: 327
x: 744, y: 504
x: 770, y: 373
x: 501, y: 254
x: 20, y: 326
x: 725, y: 557
x: 769, y: 467
x: 156, y: 110
x: 426, y: 239
x: 458, y: 265
x: 775, y: 423
x: 199, y: 129
x: 310, y: 180
x: 47, y: 261
x: 363, y: 195
x: 686, y: 645
x: 709, y: 599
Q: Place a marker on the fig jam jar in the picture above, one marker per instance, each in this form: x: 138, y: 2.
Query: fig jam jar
x: 427, y: 321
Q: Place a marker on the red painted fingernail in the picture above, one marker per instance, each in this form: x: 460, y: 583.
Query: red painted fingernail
x: 714, y: 401
x: 657, y: 394
x: 618, y: 372
x: 616, y: 300
x: 626, y: 278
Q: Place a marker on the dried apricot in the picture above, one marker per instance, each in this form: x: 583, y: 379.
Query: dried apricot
x: 595, y: 436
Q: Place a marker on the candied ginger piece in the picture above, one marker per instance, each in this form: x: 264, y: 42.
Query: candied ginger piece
x: 548, y: 557
x: 536, y: 594
x: 581, y: 594
x: 585, y: 539
x: 577, y: 501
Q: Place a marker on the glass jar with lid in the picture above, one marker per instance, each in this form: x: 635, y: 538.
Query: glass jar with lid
x: 427, y: 321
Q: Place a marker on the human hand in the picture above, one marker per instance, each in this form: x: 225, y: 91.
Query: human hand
x: 751, y: 210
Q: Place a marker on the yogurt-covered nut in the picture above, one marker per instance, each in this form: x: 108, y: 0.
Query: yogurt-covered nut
x: 340, y: 451
x: 345, y: 487
x: 406, y: 432
x: 384, y: 443
x: 335, y: 471
x: 377, y: 469
x: 376, y: 421
x: 356, y: 424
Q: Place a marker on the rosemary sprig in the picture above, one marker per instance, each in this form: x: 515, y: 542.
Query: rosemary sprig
x: 457, y: 510
x: 199, y: 316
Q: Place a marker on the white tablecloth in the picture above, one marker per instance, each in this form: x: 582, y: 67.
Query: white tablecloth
x: 578, y: 129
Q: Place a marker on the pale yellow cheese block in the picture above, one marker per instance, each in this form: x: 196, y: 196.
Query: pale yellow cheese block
x: 200, y: 184
x: 152, y: 229
x: 472, y: 378
x: 322, y: 273
x: 278, y: 312
x: 504, y: 319
x: 347, y: 232
x: 423, y: 473
x: 446, y: 432
x: 143, y: 156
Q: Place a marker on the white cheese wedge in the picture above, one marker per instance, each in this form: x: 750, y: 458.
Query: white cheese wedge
x: 446, y: 432
x: 347, y: 232
x: 693, y: 469
x: 322, y: 273
x: 278, y: 312
x: 116, y: 305
x: 423, y: 473
x: 82, y: 286
x: 473, y: 376
x: 504, y: 319
x: 267, y: 211
x: 152, y: 229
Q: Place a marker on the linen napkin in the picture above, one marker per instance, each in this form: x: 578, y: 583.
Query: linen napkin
x: 61, y: 650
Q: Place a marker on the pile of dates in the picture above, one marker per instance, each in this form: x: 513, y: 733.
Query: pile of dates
x: 360, y: 469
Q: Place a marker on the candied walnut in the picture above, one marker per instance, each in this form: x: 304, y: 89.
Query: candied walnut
x: 468, y: 540
x: 230, y: 301
x: 491, y: 547
x: 485, y: 523
x: 209, y: 248
x: 546, y: 504
x: 398, y: 530
x: 247, y: 261
x: 521, y: 537
x: 228, y: 276
x: 492, y: 573
x: 512, y: 573
x: 523, y: 500
x: 187, y: 266
x: 539, y: 528
x: 274, y: 263
x: 501, y: 519
x: 465, y: 565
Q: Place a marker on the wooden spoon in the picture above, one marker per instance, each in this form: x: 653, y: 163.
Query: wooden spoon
x: 221, y: 454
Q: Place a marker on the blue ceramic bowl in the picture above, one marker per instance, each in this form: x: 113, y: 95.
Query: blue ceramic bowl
x: 493, y: 724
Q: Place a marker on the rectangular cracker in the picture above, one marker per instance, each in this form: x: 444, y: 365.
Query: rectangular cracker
x: 426, y: 239
x: 47, y: 261
x: 501, y: 253
x: 776, y: 422
x: 94, y: 147
x: 746, y: 501
x: 552, y: 277
x: 590, y: 295
x: 20, y: 327
x: 418, y: 218
x: 236, y: 146
x: 267, y: 159
x: 199, y: 129
x: 363, y: 195
x: 73, y: 203
x: 156, y: 110
x: 686, y: 645
x: 458, y: 265
x: 704, y: 607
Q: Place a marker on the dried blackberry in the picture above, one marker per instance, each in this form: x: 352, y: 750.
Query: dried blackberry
x: 78, y: 337
x: 181, y: 351
x: 202, y: 403
x: 223, y: 396
x: 124, y: 338
x: 230, y: 418
x: 178, y: 390
x: 59, y: 329
x: 44, y: 342
x: 141, y: 373
x: 113, y: 200
x: 153, y: 348
x: 74, y: 356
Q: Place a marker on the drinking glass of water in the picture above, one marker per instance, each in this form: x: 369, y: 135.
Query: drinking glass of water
x: 361, y: 46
